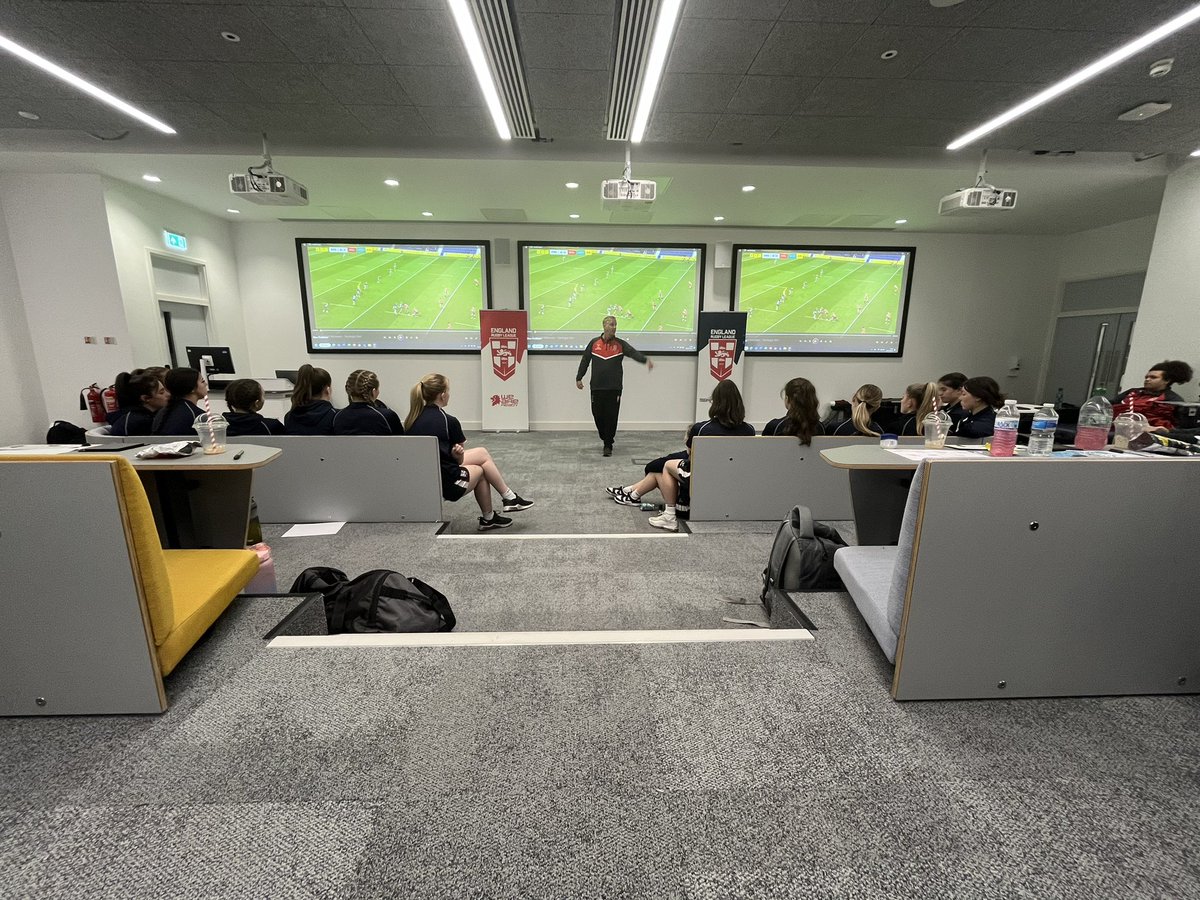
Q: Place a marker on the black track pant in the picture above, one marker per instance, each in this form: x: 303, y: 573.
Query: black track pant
x: 606, y: 409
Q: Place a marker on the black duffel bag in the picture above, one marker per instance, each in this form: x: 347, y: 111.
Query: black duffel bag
x: 379, y: 601
x: 802, y: 556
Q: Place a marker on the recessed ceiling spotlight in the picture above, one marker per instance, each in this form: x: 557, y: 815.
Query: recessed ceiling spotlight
x: 231, y: 37
x: 889, y: 54
x: 571, y: 185
x: 427, y: 214
x: 1194, y: 153
x: 391, y: 182
x: 718, y: 218
x: 901, y: 221
x: 26, y: 114
x: 236, y: 212
x: 747, y: 188
x: 573, y: 215
x: 153, y: 179
x: 1144, y: 111
x: 1161, y: 67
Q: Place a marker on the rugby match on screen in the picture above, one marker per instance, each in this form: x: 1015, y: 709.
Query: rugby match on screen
x: 821, y: 292
x: 571, y: 289
x: 390, y: 287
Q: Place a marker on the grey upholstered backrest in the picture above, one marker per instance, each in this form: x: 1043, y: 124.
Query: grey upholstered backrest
x: 904, y: 548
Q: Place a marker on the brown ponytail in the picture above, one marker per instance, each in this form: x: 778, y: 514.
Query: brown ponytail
x: 310, y: 382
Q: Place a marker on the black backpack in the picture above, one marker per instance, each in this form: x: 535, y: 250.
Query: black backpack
x: 377, y: 601
x: 65, y: 433
x: 802, y: 556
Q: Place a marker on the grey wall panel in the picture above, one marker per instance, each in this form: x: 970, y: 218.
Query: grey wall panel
x: 71, y: 625
x: 1093, y: 601
x: 757, y: 478
x: 349, y: 479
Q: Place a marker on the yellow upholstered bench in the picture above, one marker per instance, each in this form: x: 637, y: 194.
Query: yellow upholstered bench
x: 95, y: 612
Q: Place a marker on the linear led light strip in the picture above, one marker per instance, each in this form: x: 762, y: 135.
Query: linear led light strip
x: 474, y: 46
x: 657, y: 61
x: 81, y: 84
x: 1087, y: 72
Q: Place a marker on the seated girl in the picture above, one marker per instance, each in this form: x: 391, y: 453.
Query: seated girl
x: 981, y: 398
x: 915, y: 405
x: 463, y: 470
x: 311, y: 411
x: 864, y: 413
x: 140, y: 396
x: 726, y: 416
x: 366, y: 414
x: 244, y: 397
x: 800, y: 399
x: 949, y: 393
x: 187, y: 390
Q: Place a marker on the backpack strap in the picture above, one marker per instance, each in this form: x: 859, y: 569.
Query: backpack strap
x: 802, y: 521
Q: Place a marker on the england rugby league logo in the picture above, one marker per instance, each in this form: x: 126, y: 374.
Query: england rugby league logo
x: 504, y: 358
x: 720, y: 358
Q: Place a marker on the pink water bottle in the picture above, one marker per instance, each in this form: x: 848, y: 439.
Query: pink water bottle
x: 1004, y: 432
x: 1091, y: 432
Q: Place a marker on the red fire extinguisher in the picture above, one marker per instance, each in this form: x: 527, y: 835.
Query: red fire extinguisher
x: 91, y: 399
x: 108, y: 397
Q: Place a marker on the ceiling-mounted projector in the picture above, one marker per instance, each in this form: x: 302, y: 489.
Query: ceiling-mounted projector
x: 262, y: 184
x: 269, y: 188
x: 981, y: 197
x: 628, y: 189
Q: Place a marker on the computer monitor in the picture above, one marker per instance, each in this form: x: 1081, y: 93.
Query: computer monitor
x: 290, y: 374
x: 217, y: 359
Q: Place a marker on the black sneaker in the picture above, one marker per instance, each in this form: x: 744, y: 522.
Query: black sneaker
x: 608, y: 449
x: 516, y: 504
x: 496, y: 521
x: 621, y: 496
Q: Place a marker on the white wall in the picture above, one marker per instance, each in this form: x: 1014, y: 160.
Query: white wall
x: 1168, y: 325
x: 62, y: 256
x: 22, y: 404
x: 136, y: 219
x: 977, y: 302
x: 1111, y: 250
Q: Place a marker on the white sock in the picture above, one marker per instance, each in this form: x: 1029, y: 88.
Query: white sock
x: 510, y: 494
x: 669, y: 512
x: 633, y: 495
x: 488, y: 517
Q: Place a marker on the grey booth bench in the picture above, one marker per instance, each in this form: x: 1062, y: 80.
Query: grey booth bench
x: 755, y: 478
x: 1037, y: 578
x: 340, y: 478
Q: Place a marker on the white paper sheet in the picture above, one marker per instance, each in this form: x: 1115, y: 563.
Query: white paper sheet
x: 314, y: 528
x: 920, y: 453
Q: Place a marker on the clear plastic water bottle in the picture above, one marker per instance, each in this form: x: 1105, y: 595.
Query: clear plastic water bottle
x: 1094, y: 418
x: 1041, y: 438
x: 1004, y: 432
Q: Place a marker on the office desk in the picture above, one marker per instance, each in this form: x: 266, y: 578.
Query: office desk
x: 202, y: 501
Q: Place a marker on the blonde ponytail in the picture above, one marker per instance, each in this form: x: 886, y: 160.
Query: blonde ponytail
x: 866, y: 400
x: 423, y: 393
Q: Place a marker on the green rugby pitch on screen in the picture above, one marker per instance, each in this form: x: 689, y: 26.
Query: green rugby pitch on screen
x: 824, y: 301
x: 377, y: 295
x: 652, y: 290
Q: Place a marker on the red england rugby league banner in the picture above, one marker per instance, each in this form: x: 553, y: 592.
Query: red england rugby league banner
x: 720, y: 349
x: 503, y: 341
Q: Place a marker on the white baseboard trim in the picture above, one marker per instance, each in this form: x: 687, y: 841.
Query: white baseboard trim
x: 539, y: 638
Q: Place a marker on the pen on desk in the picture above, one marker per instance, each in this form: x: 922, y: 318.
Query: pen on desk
x: 238, y: 455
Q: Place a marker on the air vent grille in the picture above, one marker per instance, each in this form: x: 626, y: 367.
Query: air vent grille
x: 501, y: 45
x: 634, y: 30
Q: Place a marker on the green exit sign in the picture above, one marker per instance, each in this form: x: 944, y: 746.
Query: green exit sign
x: 174, y: 241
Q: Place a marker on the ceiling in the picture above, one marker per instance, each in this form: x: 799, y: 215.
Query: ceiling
x: 790, y: 95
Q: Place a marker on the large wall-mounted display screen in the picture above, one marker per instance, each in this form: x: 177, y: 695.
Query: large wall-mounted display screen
x: 382, y: 296
x: 830, y: 301
x: 654, y: 291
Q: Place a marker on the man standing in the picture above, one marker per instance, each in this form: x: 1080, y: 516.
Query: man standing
x: 606, y: 354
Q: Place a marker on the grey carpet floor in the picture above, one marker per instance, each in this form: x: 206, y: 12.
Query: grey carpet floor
x: 689, y: 771
x: 677, y: 771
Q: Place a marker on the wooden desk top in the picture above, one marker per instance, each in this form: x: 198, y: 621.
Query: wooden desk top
x: 252, y: 457
x: 872, y: 456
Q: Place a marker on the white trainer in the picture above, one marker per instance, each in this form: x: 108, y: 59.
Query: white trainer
x: 666, y: 523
